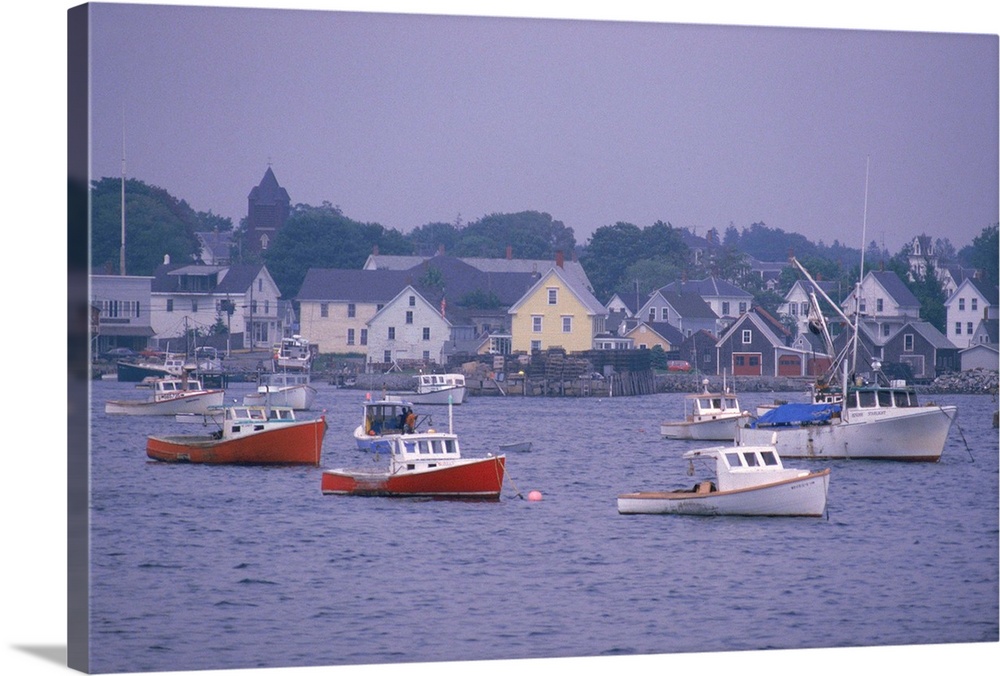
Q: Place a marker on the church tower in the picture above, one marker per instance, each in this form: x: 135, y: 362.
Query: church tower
x: 267, y: 211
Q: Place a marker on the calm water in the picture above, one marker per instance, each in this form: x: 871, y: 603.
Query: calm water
x: 199, y: 567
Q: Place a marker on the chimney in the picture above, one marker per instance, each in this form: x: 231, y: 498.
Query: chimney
x: 510, y: 252
x: 559, y: 258
x: 375, y: 250
x: 166, y: 259
x: 440, y: 250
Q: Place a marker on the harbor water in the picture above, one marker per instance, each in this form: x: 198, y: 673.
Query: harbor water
x: 219, y: 567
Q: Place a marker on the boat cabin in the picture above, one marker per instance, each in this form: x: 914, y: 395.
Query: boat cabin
x: 169, y: 388
x: 896, y: 395
x: 241, y: 420
x: 282, y: 379
x: 709, y: 406
x: 387, y: 416
x: 425, y: 451
x: 745, y: 466
x: 434, y: 382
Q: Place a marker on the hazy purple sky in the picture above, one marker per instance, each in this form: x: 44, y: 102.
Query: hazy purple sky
x: 408, y: 119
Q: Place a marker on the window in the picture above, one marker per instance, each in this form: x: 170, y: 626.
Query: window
x: 664, y: 313
x: 974, y: 304
x: 738, y: 360
x: 170, y: 305
x: 725, y: 308
x: 194, y: 305
x: 352, y: 310
x: 567, y: 324
x: 553, y: 296
x: 743, y: 307
x: 253, y: 307
x: 968, y: 328
x: 350, y: 336
x: 536, y: 323
x: 805, y: 308
x: 387, y: 356
x: 536, y: 345
x: 427, y: 333
x: 324, y: 309
x: 733, y: 459
x: 427, y: 355
x: 794, y: 307
x: 878, y: 305
x: 652, y: 315
x: 267, y: 306
x: 961, y: 304
x: 769, y: 457
x: 751, y: 459
x: 392, y: 333
x: 364, y: 336
x: 754, y: 360
x: 747, y: 336
x: 885, y: 329
x: 958, y: 328
x: 413, y: 301
x: 863, y: 307
x: 409, y: 316
x: 908, y: 342
x: 260, y: 284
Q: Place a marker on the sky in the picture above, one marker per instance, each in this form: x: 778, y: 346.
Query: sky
x: 405, y: 119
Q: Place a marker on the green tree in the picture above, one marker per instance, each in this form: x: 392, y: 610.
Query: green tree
x: 985, y: 253
x: 156, y: 225
x: 322, y: 237
x: 611, y: 249
x: 531, y: 234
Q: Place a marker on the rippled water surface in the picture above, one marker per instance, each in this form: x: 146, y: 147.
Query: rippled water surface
x: 200, y: 567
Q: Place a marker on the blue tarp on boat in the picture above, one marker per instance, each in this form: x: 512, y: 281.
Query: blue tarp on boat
x: 797, y: 414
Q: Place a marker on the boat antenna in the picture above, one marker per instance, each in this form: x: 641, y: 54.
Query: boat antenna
x: 861, y: 276
x: 121, y: 263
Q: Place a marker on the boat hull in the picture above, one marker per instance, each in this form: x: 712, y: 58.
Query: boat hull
x: 136, y: 373
x: 298, y: 397
x: 720, y: 429
x: 800, y: 496
x: 480, y: 478
x: 297, y: 443
x: 916, y: 435
x: 194, y: 402
x: 438, y: 397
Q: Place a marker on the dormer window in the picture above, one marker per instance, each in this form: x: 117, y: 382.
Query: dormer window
x: 553, y: 296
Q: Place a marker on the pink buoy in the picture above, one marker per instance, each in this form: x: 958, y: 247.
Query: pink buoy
x: 534, y: 496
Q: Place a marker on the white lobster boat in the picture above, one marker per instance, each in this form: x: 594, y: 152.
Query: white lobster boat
x: 283, y: 389
x: 708, y: 416
x: 750, y: 481
x: 170, y: 396
x: 439, y: 389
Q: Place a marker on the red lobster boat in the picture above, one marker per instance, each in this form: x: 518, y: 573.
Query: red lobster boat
x: 249, y: 435
x: 423, y: 464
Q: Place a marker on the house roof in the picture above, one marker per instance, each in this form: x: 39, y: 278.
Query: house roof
x: 350, y: 285
x: 493, y: 265
x: 235, y: 278
x: 991, y: 328
x: 583, y: 294
x: 762, y: 322
x: 668, y: 332
x: 895, y: 287
x: 688, y: 304
x: 710, y: 287
x: 937, y: 339
x: 268, y: 191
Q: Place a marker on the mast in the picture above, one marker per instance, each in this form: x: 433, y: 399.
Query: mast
x: 121, y: 262
x: 861, y: 276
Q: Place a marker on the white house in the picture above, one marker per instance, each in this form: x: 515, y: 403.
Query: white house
x: 971, y: 303
x: 408, y: 328
x: 726, y: 300
x: 798, y: 301
x: 686, y: 311
x: 123, y: 304
x: 196, y: 297
x: 886, y: 304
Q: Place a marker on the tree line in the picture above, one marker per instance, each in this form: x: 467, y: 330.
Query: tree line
x: 621, y: 258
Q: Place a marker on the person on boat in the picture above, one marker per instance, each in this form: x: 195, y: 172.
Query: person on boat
x: 402, y: 420
x: 411, y: 421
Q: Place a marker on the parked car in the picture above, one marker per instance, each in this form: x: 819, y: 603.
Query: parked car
x: 116, y: 353
x: 678, y: 365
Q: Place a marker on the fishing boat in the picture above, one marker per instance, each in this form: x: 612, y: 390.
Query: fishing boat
x: 439, y: 389
x: 170, y: 396
x: 294, y: 354
x: 853, y: 414
x: 425, y: 464
x: 708, y: 416
x: 749, y: 481
x: 871, y: 420
x: 383, y: 419
x: 247, y: 435
x: 136, y: 372
x: 283, y: 389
